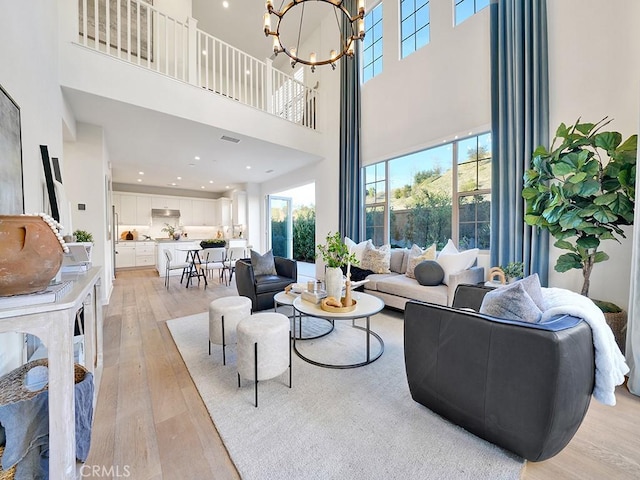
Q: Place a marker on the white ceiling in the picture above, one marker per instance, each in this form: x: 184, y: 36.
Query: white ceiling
x: 164, y: 147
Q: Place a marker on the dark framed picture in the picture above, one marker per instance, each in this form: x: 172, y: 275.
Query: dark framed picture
x: 11, y: 182
x: 48, y: 177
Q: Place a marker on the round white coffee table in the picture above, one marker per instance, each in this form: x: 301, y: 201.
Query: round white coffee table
x: 286, y: 299
x: 367, y: 306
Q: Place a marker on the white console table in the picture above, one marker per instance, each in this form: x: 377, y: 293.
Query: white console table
x: 53, y: 323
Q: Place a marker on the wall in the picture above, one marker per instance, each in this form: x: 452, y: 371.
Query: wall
x: 32, y: 81
x: 594, y: 71
x: 86, y: 175
x: 437, y: 92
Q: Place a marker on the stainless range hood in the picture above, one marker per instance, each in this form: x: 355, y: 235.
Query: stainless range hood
x: 165, y: 213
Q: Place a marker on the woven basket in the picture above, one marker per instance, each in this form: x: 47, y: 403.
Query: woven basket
x: 6, y: 474
x: 618, y: 324
x: 12, y: 390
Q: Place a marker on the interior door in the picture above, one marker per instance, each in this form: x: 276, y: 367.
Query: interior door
x: 281, y: 226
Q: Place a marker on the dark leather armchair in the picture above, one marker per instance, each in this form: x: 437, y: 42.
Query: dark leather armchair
x: 525, y: 387
x: 261, y: 288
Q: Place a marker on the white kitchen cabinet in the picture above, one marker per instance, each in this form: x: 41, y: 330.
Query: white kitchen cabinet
x: 186, y: 213
x: 126, y: 254
x: 128, y: 210
x: 143, y: 210
x: 222, y: 211
x: 197, y: 212
x: 116, y: 200
x: 176, y: 249
x: 210, y: 213
x: 172, y: 203
x: 239, y: 208
x: 145, y: 254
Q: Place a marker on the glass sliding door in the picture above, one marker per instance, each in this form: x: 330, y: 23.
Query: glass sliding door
x: 281, y: 226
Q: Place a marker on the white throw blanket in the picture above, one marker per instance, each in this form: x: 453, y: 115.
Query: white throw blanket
x: 610, y: 363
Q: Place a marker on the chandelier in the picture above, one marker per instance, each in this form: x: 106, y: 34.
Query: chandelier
x: 354, y: 31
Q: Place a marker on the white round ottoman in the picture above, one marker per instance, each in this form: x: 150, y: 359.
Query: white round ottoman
x: 264, y: 347
x: 224, y: 315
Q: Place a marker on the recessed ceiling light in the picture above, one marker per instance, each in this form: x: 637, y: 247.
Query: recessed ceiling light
x: 456, y: 137
x: 140, y: 173
x: 226, y: 186
x: 179, y: 178
x: 196, y: 157
x: 139, y: 179
x: 248, y: 167
x: 202, y: 186
x: 225, y: 4
x: 470, y: 133
x: 173, y: 184
x: 210, y: 181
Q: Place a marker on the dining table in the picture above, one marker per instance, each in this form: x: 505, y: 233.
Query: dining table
x: 194, y: 261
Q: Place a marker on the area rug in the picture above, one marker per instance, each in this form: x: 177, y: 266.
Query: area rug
x: 358, y: 423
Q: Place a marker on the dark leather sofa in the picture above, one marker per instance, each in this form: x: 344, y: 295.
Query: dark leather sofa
x: 524, y: 387
x: 261, y: 288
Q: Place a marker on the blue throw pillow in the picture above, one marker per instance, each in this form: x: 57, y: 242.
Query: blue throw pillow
x: 263, y: 264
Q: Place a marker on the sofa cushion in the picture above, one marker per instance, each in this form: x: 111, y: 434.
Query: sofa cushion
x: 374, y: 278
x: 417, y: 255
x: 356, y: 248
x: 403, y: 286
x: 429, y: 273
x: 453, y: 261
x: 263, y: 264
x: 511, y: 302
x: 397, y: 259
x: 376, y: 259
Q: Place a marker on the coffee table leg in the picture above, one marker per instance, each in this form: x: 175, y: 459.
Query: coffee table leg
x: 368, y: 339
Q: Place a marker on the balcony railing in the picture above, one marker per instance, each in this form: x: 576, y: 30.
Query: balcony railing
x: 139, y: 33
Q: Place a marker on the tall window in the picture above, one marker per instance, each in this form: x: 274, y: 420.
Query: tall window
x: 372, y: 46
x: 375, y: 201
x: 466, y: 8
x: 432, y: 195
x: 414, y: 25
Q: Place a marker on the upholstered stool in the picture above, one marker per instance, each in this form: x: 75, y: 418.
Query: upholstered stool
x: 264, y: 347
x: 224, y: 315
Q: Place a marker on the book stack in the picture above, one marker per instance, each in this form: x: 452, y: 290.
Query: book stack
x: 52, y: 293
x: 314, y: 297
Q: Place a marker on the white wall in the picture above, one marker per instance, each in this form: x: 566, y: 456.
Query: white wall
x: 86, y: 172
x: 594, y: 71
x: 439, y: 91
x: 32, y: 81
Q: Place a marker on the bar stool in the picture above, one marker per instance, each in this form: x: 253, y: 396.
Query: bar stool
x: 264, y: 347
x: 224, y: 315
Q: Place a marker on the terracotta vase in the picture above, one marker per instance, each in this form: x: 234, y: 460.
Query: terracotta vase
x: 30, y: 254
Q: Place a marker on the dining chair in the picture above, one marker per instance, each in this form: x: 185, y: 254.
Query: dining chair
x: 233, y: 254
x: 213, y: 259
x: 170, y: 265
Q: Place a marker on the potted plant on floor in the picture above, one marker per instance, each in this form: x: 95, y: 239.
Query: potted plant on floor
x: 582, y: 191
x: 335, y: 254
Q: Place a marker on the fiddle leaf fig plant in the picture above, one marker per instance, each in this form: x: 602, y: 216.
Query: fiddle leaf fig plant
x: 582, y: 191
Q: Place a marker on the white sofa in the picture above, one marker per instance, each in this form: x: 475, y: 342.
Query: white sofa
x: 396, y: 289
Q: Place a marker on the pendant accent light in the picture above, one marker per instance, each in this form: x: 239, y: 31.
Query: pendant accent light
x: 347, y: 40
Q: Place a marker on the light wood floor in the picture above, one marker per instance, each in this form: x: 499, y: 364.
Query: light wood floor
x: 151, y: 423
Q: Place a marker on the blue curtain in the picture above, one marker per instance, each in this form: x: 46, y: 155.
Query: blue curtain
x: 520, y: 122
x: 350, y: 217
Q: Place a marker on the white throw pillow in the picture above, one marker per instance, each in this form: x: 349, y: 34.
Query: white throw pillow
x: 417, y: 255
x: 356, y: 248
x: 376, y: 259
x: 453, y: 261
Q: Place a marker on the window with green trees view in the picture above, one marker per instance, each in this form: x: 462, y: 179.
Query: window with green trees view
x: 433, y: 195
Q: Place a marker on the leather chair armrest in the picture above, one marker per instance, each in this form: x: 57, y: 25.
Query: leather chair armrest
x: 286, y: 267
x: 245, y: 281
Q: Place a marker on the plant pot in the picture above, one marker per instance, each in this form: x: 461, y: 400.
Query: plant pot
x: 618, y: 323
x: 333, y: 282
x: 30, y: 254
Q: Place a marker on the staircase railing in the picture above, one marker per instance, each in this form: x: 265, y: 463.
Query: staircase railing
x: 139, y: 33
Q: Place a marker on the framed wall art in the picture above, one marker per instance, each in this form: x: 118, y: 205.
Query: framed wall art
x: 11, y: 182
